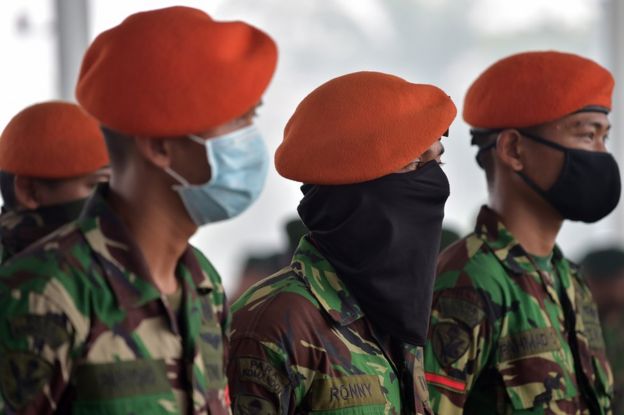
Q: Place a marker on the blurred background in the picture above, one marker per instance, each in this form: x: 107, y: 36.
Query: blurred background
x: 443, y: 42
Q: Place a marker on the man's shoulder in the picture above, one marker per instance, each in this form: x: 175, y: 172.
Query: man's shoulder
x: 206, y: 265
x: 275, y: 303
x: 60, y: 257
x: 284, y: 285
x: 470, y: 260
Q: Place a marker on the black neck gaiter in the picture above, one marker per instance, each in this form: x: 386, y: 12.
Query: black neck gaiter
x: 382, y: 237
x: 21, y: 228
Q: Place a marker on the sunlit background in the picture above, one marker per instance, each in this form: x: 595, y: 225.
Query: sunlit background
x: 443, y: 42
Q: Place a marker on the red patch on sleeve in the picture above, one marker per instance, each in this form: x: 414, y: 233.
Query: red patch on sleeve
x: 228, y: 402
x: 446, y: 382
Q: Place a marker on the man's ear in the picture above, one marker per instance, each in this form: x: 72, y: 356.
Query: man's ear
x: 509, y: 149
x: 26, y: 192
x: 155, y: 150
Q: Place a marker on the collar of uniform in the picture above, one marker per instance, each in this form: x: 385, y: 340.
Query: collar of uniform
x: 491, y: 230
x: 324, y: 284
x: 120, y: 257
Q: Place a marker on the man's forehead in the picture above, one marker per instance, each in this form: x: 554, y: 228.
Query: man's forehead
x: 586, y: 119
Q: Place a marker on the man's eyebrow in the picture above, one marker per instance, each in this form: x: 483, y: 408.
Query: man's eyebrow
x: 595, y: 124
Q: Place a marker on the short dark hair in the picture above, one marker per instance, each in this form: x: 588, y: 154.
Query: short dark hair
x: 7, y: 189
x: 485, y: 156
x: 118, y: 145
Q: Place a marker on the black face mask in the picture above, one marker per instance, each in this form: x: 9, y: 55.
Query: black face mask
x: 382, y: 237
x: 28, y: 226
x: 588, y: 187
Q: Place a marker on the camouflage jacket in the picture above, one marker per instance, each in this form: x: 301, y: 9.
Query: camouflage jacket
x: 300, y: 343
x: 83, y: 330
x: 508, y: 337
x: 21, y: 228
x: 613, y: 330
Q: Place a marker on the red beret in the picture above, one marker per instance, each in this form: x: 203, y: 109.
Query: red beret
x: 52, y: 140
x: 174, y: 71
x: 361, y: 126
x: 533, y: 88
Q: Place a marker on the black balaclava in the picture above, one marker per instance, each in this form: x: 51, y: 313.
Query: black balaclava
x: 382, y: 237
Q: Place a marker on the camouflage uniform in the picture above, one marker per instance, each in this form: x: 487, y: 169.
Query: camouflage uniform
x: 300, y: 343
x: 614, y: 341
x: 21, y: 228
x: 83, y: 330
x: 509, y: 338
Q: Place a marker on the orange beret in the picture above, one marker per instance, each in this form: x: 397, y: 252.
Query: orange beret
x: 533, y: 88
x: 174, y: 71
x: 52, y: 140
x: 361, y: 126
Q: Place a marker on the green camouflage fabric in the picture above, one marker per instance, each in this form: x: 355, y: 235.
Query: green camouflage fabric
x: 301, y: 344
x: 614, y: 341
x: 21, y: 228
x: 83, y: 330
x: 509, y: 338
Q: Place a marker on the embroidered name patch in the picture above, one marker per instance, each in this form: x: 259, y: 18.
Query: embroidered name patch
x: 46, y: 328
x: 460, y: 310
x: 527, y: 343
x: 345, y: 392
x: 121, y: 379
x: 591, y: 321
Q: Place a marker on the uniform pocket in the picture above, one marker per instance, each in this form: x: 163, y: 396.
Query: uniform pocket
x: 531, y: 373
x: 135, y: 386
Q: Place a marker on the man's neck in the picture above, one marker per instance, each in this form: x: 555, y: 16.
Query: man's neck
x: 157, y: 230
x: 533, y: 224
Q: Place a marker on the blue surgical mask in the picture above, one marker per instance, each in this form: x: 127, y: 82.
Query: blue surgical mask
x: 239, y: 164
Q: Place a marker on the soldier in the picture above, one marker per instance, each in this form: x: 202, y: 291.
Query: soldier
x: 604, y: 271
x: 117, y: 313
x: 342, y: 327
x: 52, y: 155
x: 514, y: 329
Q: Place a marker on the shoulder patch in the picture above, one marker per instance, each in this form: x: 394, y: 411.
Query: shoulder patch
x: 22, y: 376
x: 260, y: 372
x: 345, y: 392
x: 46, y: 328
x: 252, y: 405
x: 450, y: 341
x: 460, y: 310
x: 527, y: 343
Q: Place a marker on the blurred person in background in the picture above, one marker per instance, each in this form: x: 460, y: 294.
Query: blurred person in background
x: 449, y: 237
x: 514, y: 329
x: 118, y: 313
x: 257, y: 267
x: 604, y: 271
x: 342, y: 328
x: 52, y: 156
